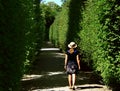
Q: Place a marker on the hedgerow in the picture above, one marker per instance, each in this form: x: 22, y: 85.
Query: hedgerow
x: 12, y: 44
x: 66, y: 25
x: 20, y: 34
x: 59, y: 28
x: 100, y: 38
x: 95, y: 27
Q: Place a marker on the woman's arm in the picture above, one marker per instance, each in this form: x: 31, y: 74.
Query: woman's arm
x: 78, y: 61
x: 66, y: 58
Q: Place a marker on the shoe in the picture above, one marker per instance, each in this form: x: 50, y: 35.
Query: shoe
x: 73, y: 88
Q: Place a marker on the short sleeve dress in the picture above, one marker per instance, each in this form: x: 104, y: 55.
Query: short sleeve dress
x: 72, y: 66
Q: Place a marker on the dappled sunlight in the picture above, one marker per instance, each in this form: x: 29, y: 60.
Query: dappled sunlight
x: 55, y: 73
x: 83, y: 78
x: 31, y: 77
x: 34, y: 76
x: 49, y: 49
x: 62, y: 54
x: 48, y: 74
x: 85, y: 75
x: 85, y: 87
x: 59, y: 55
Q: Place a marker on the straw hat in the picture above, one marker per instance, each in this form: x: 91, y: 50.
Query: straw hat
x: 72, y: 45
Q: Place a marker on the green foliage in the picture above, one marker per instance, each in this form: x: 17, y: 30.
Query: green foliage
x: 66, y: 25
x: 100, y: 38
x: 90, y: 28
x: 49, y: 10
x: 34, y: 31
x: 12, y: 45
x: 21, y: 36
x: 59, y: 28
x: 110, y: 22
x: 74, y: 20
x: 95, y: 27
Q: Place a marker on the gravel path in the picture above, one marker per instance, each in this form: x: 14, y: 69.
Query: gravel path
x: 48, y: 74
x: 86, y: 87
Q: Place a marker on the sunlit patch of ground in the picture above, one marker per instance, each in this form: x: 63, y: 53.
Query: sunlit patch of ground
x: 54, y: 73
x: 33, y: 76
x: 49, y: 49
x: 86, y: 87
x: 30, y: 77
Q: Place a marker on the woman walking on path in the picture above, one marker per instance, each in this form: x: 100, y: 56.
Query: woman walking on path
x: 72, y: 64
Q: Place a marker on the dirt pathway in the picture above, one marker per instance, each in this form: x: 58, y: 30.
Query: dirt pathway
x: 48, y: 74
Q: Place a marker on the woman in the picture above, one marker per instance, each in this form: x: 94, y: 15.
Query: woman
x: 72, y: 64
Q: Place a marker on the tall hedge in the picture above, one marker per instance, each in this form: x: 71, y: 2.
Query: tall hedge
x: 12, y: 44
x: 100, y: 38
x: 74, y: 19
x: 95, y: 27
x: 34, y: 34
x: 67, y: 24
x: 59, y: 28
x: 20, y: 32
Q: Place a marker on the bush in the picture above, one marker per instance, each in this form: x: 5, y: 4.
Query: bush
x: 59, y: 28
x: 95, y: 27
x: 66, y: 25
x: 20, y: 32
x: 100, y: 37
x: 12, y: 44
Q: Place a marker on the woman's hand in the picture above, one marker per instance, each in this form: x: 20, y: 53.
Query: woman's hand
x: 79, y: 67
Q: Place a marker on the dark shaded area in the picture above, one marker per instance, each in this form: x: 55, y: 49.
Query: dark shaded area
x: 89, y: 87
x: 49, y: 21
x: 11, y: 44
x: 116, y: 88
x: 75, y: 16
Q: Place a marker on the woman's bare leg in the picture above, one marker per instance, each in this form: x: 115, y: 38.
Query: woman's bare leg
x: 73, y: 79
x: 70, y: 80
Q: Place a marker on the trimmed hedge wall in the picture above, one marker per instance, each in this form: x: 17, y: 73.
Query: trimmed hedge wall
x: 67, y: 24
x: 12, y: 44
x: 20, y: 39
x: 95, y: 27
x: 100, y: 38
x: 59, y: 28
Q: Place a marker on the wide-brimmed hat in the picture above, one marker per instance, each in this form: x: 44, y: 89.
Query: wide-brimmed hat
x: 72, y: 45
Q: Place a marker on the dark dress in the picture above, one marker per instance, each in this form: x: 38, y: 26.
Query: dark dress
x: 72, y: 66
